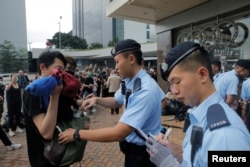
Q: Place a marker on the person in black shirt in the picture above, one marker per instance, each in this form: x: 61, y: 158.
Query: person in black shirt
x: 14, y: 105
x: 39, y: 118
x: 88, y: 85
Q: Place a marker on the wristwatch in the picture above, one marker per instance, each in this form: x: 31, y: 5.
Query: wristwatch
x: 77, y: 135
x: 163, y: 130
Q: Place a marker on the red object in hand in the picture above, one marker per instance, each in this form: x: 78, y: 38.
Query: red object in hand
x: 71, y: 85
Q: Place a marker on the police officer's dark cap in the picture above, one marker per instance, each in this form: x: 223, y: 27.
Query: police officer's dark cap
x: 243, y: 63
x: 124, y: 46
x: 176, y: 55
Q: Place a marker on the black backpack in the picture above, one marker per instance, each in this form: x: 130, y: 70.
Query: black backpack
x: 177, y: 108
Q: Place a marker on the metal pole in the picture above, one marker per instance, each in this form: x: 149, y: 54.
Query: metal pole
x: 60, y: 42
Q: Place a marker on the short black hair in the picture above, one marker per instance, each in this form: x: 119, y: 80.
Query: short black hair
x: 217, y: 63
x: 70, y: 60
x: 48, y: 58
x: 137, y: 54
x: 243, y: 63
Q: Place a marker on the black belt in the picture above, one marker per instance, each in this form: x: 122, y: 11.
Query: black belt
x: 131, y: 147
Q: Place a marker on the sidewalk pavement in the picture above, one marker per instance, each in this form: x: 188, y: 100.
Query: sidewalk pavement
x: 96, y: 154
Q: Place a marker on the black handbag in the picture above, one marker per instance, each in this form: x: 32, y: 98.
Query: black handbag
x: 70, y: 153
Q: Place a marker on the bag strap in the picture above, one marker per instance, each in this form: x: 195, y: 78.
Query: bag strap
x: 138, y: 134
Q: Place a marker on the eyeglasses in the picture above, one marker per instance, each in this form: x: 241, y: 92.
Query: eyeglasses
x: 165, y: 69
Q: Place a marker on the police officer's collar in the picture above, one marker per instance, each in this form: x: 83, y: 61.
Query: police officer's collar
x: 139, y: 74
x: 196, y: 116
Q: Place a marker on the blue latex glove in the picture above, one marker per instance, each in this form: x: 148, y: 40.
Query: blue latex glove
x: 160, y: 155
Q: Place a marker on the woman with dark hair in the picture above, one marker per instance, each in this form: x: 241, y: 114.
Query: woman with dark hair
x: 14, y: 105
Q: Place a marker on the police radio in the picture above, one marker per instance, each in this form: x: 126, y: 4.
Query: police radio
x: 123, y: 87
x: 196, y: 140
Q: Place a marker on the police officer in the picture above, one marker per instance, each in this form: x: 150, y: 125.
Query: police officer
x: 141, y: 97
x: 213, y: 124
x: 245, y: 95
x: 245, y: 103
x: 228, y: 83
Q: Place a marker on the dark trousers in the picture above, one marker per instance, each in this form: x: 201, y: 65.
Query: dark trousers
x: 14, y: 115
x: 135, y: 156
x: 6, y: 141
x: 116, y: 110
x: 136, y: 160
x: 1, y: 109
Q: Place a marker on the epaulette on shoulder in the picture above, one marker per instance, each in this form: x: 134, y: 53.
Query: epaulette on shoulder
x: 216, y: 117
x: 137, y: 85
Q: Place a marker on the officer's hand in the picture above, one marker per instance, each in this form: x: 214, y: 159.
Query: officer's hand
x: 160, y: 155
x: 88, y: 103
x: 66, y: 136
x: 160, y: 139
x: 90, y: 96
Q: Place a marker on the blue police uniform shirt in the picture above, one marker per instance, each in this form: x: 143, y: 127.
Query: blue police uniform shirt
x: 245, y: 90
x: 227, y: 83
x: 216, y: 76
x: 232, y: 137
x: 143, y: 109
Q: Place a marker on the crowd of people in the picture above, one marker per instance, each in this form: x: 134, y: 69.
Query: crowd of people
x: 193, y: 78
x: 233, y: 86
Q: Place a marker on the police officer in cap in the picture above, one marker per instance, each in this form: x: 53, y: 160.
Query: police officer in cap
x: 228, y: 84
x: 213, y: 124
x: 141, y: 97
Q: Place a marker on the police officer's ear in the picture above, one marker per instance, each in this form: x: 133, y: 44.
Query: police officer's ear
x: 131, y: 59
x: 203, y: 74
